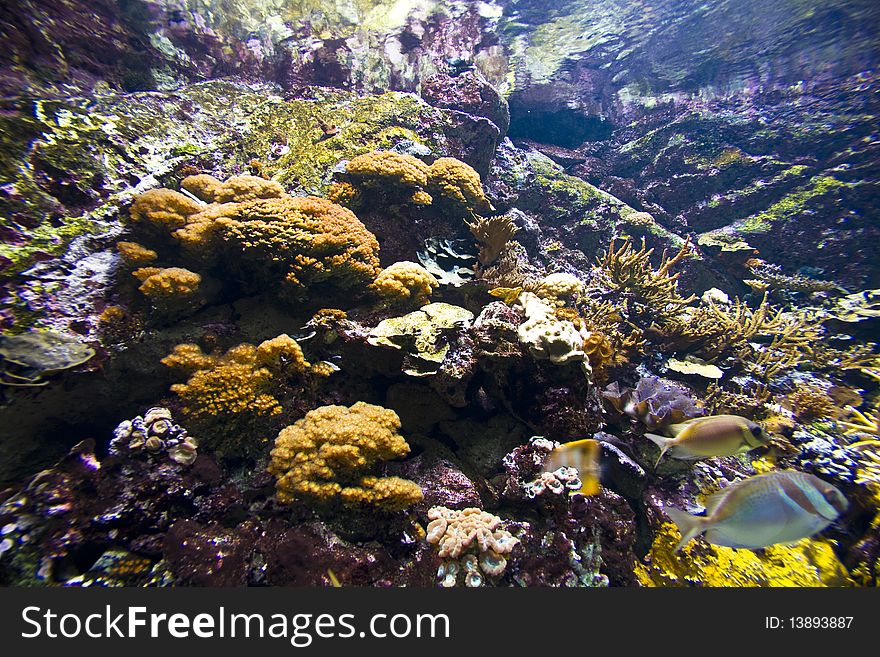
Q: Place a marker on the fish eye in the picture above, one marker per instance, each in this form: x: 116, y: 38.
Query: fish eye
x: 757, y: 430
x: 836, y: 499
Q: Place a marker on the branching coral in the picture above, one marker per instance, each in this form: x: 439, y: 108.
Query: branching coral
x: 405, y: 283
x: 326, y: 456
x: 654, y: 290
x: 713, y: 330
x: 458, y: 183
x: 492, y: 233
x: 807, y: 563
x: 471, y: 542
x: 751, y: 403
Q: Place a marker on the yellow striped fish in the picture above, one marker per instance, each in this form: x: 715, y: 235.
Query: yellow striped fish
x: 583, y: 456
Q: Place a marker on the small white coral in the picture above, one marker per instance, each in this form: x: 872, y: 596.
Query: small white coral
x: 548, y: 337
x: 558, y: 288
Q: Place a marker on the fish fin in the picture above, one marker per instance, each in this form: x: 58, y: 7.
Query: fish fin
x: 663, y: 442
x: 711, y: 503
x: 689, y: 526
x: 676, y: 429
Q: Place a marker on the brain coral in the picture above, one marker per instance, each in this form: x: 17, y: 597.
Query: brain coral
x: 458, y: 182
x: 405, y: 282
x: 326, y: 456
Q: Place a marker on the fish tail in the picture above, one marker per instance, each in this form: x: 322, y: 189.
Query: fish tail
x: 689, y: 526
x: 663, y: 442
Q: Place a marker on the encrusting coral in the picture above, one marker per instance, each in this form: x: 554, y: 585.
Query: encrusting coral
x: 807, y: 563
x: 327, y: 457
x: 405, y: 283
x: 470, y: 542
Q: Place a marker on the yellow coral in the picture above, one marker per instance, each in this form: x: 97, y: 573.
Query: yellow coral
x: 163, y: 208
x: 810, y: 402
x: 810, y: 562
x: 459, y: 183
x: 405, y: 282
x: 325, y: 457
x: 228, y: 396
x: 559, y: 288
x: 134, y: 254
x: 166, y: 285
x: 383, y: 167
x: 268, y: 238
x: 236, y: 188
x: 421, y: 197
x: 343, y: 193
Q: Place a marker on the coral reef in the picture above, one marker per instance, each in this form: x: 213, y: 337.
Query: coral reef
x: 325, y: 458
x: 405, y: 283
x: 230, y: 398
x: 807, y: 563
x: 216, y: 173
x: 471, y: 544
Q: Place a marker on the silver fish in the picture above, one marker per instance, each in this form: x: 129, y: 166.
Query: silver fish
x: 777, y: 507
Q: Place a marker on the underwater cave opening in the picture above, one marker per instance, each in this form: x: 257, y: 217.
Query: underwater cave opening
x: 567, y: 128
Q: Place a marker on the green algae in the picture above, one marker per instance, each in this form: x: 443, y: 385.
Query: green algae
x: 792, y: 205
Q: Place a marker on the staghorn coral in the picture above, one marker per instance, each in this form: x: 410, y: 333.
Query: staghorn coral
x: 230, y: 397
x: 169, y: 285
x: 470, y: 542
x: 771, y: 275
x: 492, y: 234
x: 457, y: 183
x: 750, y: 403
x: 713, y: 330
x: 629, y: 271
x: 810, y: 562
x: 135, y: 255
x: 405, y: 283
x: 326, y: 457
x: 388, y: 168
